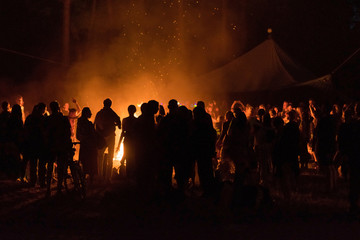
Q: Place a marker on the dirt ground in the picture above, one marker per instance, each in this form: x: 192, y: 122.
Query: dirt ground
x: 118, y: 211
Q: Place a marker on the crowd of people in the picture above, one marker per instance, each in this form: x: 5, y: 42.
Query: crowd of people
x: 262, y: 145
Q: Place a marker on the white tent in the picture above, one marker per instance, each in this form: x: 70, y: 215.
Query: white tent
x: 265, y: 67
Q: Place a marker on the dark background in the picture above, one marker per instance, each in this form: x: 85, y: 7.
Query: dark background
x: 319, y: 35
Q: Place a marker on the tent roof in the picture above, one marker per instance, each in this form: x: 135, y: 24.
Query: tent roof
x: 323, y: 82
x: 265, y: 67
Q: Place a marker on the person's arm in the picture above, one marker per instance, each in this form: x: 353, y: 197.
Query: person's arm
x: 117, y: 121
x: 122, y: 135
x: 78, y: 108
x: 120, y: 140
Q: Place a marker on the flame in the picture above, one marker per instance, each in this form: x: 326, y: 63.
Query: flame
x: 118, y: 156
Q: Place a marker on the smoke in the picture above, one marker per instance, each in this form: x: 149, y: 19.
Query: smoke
x: 134, y: 51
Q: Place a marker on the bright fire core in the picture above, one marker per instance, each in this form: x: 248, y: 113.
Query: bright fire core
x: 118, y: 156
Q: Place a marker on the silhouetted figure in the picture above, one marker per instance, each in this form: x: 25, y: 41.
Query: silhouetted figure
x: 229, y: 116
x: 345, y: 143
x: 204, y: 138
x: 207, y: 116
x: 168, y: 132
x: 148, y: 147
x: 161, y: 114
x: 4, y: 117
x: 128, y: 136
x: 286, y: 156
x: 305, y: 135
x: 106, y: 121
x: 349, y: 142
x: 34, y: 145
x: 58, y: 140
x: 174, y: 131
x: 86, y: 133
x: 73, y: 115
x: 264, y: 137
x: 325, y: 145
x: 19, y: 100
x: 15, y: 140
x: 237, y: 144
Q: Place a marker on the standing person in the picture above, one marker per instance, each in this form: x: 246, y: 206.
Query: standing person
x: 325, y: 145
x: 237, y: 148
x: 20, y: 101
x: 73, y: 114
x: 127, y: 135
x: 287, y: 152
x: 4, y: 117
x: 106, y: 121
x: 86, y: 133
x: 349, y: 142
x: 58, y: 139
x: 14, y: 139
x: 34, y: 144
x: 204, y: 138
x: 168, y: 132
x: 225, y: 127
x: 147, y: 155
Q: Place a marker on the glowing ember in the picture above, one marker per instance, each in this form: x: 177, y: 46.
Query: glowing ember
x: 118, y: 156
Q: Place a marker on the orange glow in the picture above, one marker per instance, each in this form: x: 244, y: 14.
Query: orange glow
x: 118, y: 156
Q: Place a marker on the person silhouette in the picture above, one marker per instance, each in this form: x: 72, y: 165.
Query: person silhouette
x: 106, y: 121
x: 86, y: 133
x: 127, y: 135
x: 58, y: 139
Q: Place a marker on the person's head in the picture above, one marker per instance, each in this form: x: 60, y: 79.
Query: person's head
x: 290, y: 107
x: 198, y: 112
x: 272, y: 112
x: 291, y: 115
x: 200, y: 104
x: 72, y: 112
x: 131, y: 110
x: 41, y: 108
x: 16, y: 111
x: 285, y: 105
x: 107, y: 102
x: 144, y: 108
x: 161, y: 110
x: 237, y: 112
x: 66, y: 107
x: 249, y: 110
x: 19, y: 100
x: 86, y: 112
x: 311, y: 102
x: 54, y: 107
x: 5, y: 106
x: 153, y: 107
x: 35, y: 110
x: 229, y: 115
x: 237, y: 104
x: 335, y: 109
x: 183, y: 112
x: 261, y: 113
x: 173, y: 105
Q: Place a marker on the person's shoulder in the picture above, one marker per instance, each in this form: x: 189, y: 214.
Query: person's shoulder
x: 127, y: 119
x: 112, y: 110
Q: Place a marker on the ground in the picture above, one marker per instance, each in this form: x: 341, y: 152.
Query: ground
x: 118, y: 211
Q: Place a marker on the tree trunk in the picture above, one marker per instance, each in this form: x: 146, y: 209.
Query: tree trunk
x: 66, y: 32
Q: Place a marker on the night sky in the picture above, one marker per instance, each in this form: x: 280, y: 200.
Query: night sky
x: 319, y: 35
